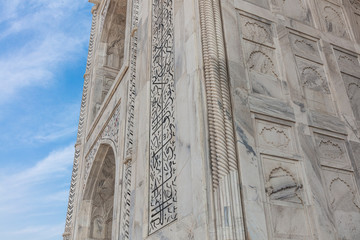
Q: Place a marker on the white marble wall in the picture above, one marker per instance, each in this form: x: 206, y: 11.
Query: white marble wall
x: 295, y: 117
x: 294, y: 76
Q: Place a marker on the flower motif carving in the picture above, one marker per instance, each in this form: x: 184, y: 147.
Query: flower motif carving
x: 312, y: 79
x: 282, y: 185
x: 347, y: 191
x: 256, y: 32
x: 330, y: 149
x: 275, y: 137
x: 260, y: 62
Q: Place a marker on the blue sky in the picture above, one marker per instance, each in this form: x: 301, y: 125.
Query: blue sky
x: 43, y: 50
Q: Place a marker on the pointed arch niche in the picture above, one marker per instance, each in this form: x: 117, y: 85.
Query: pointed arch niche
x: 111, y: 50
x: 98, y: 199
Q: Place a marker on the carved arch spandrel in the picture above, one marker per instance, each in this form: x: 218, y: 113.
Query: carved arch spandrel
x: 109, y: 133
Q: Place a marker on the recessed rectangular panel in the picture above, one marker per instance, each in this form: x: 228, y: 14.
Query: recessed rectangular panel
x: 295, y: 9
x: 348, y: 63
x: 305, y: 47
x: 332, y: 151
x: 344, y: 202
x: 333, y: 19
x: 284, y: 189
x: 275, y: 136
x: 352, y: 85
x: 256, y: 31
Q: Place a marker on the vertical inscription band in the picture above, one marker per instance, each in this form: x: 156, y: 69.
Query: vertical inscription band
x: 162, y: 183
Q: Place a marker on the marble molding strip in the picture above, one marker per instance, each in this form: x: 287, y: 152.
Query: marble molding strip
x: 125, y: 232
x: 226, y: 187
x: 67, y: 235
x: 132, y: 87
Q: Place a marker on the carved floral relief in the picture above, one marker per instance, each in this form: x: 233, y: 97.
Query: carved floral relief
x: 333, y: 19
x: 275, y: 136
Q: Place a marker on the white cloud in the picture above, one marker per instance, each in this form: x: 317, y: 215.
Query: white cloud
x: 19, y: 188
x: 33, y: 200
x: 41, y: 232
x: 56, y: 162
x: 36, y: 66
x: 61, y: 123
x: 46, y: 34
x: 54, y: 135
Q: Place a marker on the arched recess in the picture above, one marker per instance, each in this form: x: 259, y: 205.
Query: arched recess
x: 98, y: 198
x: 111, y: 52
x: 113, y: 34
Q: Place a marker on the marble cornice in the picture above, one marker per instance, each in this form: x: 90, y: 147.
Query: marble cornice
x: 95, y: 1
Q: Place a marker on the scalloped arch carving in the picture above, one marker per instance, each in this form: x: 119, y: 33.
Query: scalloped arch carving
x: 312, y: 79
x: 275, y: 137
x: 260, y: 62
x: 257, y: 32
x: 282, y: 185
x: 342, y: 189
x: 330, y: 149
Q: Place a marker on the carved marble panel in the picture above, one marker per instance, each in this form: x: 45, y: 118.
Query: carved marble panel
x: 275, y: 136
x: 257, y: 31
x: 110, y: 132
x: 286, y: 197
x: 263, y: 72
x: 332, y: 151
x: 295, y: 9
x: 348, y: 63
x: 352, y: 85
x: 312, y: 75
x: 261, y: 60
x: 162, y: 182
x: 333, y: 19
x: 344, y: 202
x: 316, y: 89
x: 305, y: 47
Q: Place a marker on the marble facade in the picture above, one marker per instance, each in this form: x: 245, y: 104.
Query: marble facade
x: 219, y: 119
